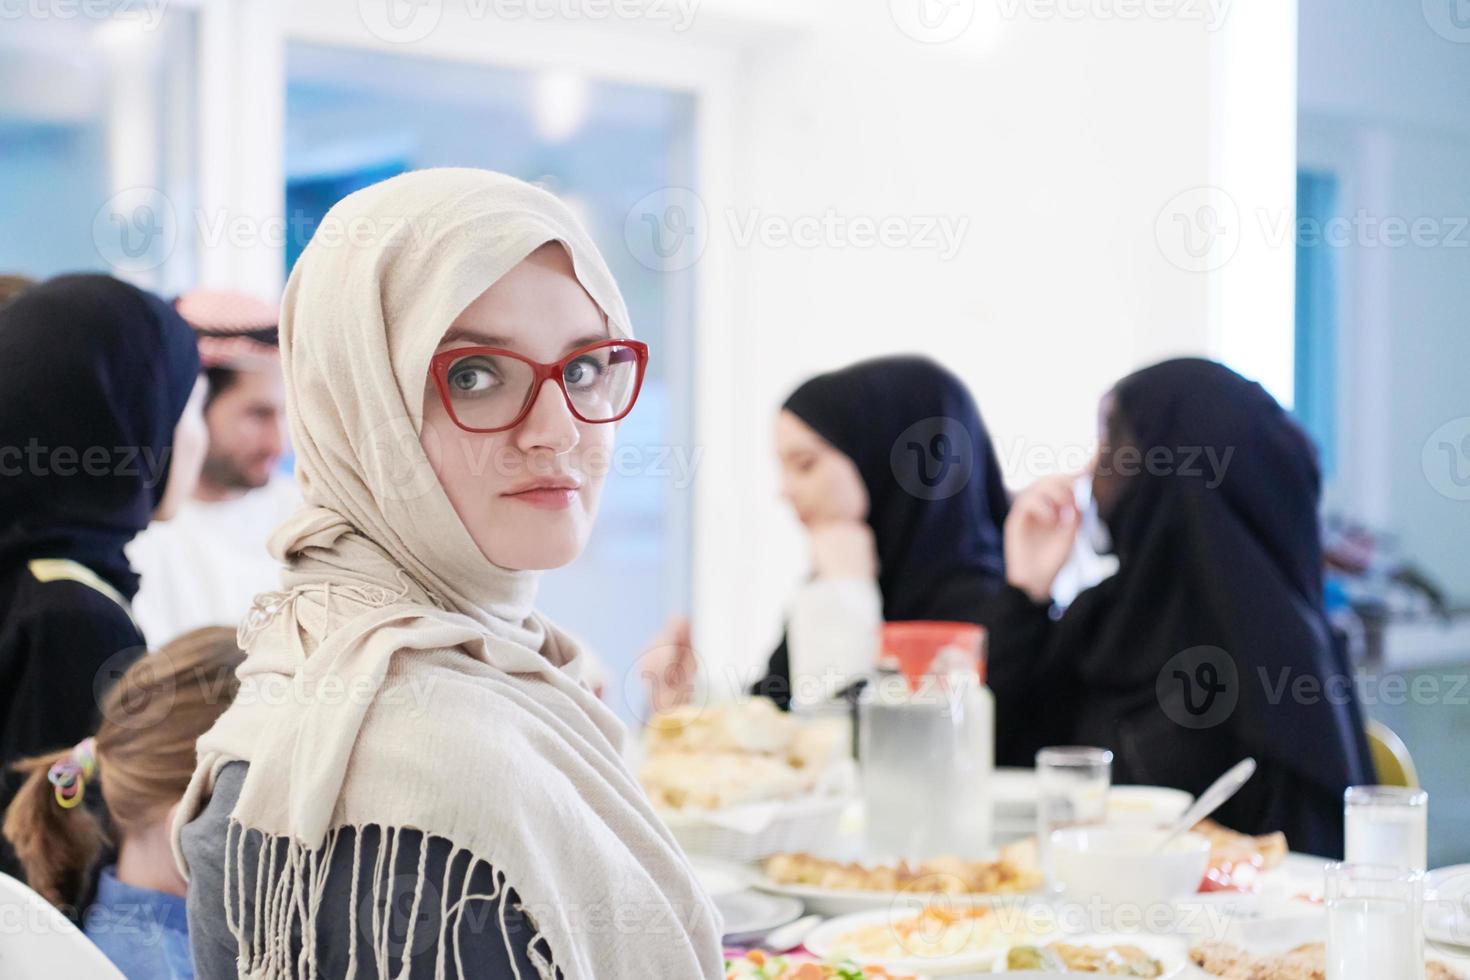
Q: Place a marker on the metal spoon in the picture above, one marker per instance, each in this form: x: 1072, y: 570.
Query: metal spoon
x: 1220, y: 791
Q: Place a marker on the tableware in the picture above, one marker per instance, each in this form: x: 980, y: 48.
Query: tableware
x: 931, y: 743
x: 926, y: 954
x: 1218, y: 794
x: 1447, y: 908
x: 1072, y: 790
x: 751, y: 915
x: 846, y: 901
x: 913, y: 646
x: 1374, y: 923
x: 753, y: 831
x: 792, y: 935
x: 1387, y: 825
x: 1171, y: 952
x: 1146, y: 806
x: 1123, y: 865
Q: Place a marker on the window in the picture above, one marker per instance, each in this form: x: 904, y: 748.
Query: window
x: 1316, y: 315
x: 96, y: 145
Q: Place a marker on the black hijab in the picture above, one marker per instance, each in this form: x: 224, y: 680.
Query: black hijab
x: 1218, y: 547
x: 936, y: 500
x: 94, y: 376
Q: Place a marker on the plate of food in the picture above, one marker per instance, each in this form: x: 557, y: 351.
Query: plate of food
x: 937, y: 939
x: 1305, y: 962
x: 840, y: 887
x: 1102, y: 955
x: 742, y: 780
x: 756, y: 965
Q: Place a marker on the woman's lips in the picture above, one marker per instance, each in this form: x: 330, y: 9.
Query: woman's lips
x: 546, y: 498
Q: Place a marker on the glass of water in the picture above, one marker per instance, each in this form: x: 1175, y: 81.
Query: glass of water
x: 1375, y: 925
x: 1072, y: 785
x: 1387, y: 825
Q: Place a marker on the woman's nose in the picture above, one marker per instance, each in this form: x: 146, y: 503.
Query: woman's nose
x: 550, y: 423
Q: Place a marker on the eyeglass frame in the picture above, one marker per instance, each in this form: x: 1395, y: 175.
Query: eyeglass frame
x: 440, y: 363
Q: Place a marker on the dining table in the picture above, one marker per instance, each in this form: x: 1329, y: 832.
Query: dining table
x: 1282, y: 908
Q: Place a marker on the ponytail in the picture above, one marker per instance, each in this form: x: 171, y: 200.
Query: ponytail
x: 140, y: 762
x: 56, y: 840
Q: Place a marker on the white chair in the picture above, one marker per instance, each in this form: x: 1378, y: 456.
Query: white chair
x: 39, y: 943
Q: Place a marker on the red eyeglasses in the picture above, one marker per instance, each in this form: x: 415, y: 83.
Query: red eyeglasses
x: 489, y: 389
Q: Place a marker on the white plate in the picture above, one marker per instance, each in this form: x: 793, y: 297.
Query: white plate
x: 749, y: 915
x: 848, y: 901
x: 824, y: 942
x: 1447, y: 908
x: 1171, y: 952
x: 723, y: 877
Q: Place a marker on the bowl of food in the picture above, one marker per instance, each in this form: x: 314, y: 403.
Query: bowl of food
x: 1146, y: 806
x: 1126, y: 865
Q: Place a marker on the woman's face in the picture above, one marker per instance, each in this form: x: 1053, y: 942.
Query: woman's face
x: 1107, y: 485
x: 819, y: 481
x: 186, y: 458
x: 527, y: 495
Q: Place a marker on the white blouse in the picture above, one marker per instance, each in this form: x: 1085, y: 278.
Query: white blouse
x: 832, y: 638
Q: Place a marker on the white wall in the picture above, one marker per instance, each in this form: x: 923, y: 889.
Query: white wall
x: 1383, y: 105
x: 1059, y: 143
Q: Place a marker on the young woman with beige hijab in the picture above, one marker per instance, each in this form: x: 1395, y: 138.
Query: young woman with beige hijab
x: 415, y: 780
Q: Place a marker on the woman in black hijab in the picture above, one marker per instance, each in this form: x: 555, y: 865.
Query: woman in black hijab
x: 100, y: 431
x: 935, y: 502
x: 1198, y: 651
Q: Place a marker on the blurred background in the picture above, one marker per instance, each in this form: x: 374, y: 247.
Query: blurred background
x: 1042, y: 194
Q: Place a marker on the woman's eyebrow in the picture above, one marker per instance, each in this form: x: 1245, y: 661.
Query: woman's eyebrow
x: 591, y: 338
x: 458, y: 334
x: 474, y: 337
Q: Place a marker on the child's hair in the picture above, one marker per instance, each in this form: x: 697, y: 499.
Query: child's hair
x: 144, y: 756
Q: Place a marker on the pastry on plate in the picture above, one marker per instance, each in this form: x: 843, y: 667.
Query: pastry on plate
x: 1308, y: 962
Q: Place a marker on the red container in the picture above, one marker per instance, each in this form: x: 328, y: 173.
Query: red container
x: 914, y: 646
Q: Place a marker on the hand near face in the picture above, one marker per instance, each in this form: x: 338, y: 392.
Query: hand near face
x: 669, y: 667
x: 1039, y: 534
x: 844, y: 549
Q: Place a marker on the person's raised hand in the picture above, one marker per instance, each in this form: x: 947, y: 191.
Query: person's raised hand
x: 1039, y: 533
x: 668, y: 666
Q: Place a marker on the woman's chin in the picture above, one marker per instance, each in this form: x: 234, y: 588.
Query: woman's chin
x: 535, y: 546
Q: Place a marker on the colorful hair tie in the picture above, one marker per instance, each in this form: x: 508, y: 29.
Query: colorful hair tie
x: 70, y: 774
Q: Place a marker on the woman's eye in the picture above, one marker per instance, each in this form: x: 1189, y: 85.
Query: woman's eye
x: 471, y: 379
x: 582, y: 373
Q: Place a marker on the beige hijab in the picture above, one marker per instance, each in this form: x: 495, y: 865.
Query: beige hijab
x: 400, y: 679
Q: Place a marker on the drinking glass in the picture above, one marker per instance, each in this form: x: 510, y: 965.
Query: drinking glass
x: 1387, y: 825
x: 1072, y: 790
x: 1375, y: 925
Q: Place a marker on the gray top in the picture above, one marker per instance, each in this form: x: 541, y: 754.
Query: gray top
x: 483, y: 946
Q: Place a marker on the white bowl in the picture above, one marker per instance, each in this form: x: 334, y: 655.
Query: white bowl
x: 1119, y: 864
x: 1146, y: 806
